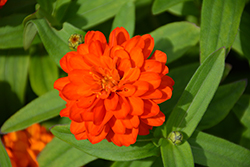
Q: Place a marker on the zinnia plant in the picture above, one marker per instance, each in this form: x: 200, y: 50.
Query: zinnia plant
x: 23, y: 146
x: 112, y: 89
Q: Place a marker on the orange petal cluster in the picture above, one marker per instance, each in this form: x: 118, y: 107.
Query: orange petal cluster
x: 113, y: 88
x: 2, y: 3
x: 24, y: 146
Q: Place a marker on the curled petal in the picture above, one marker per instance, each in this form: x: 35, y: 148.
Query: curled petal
x: 123, y: 108
x: 65, y: 59
x: 75, y: 113
x: 99, y: 112
x: 95, y: 36
x: 111, y: 102
x: 149, y: 45
x: 123, y: 66
x: 159, y: 56
x: 156, y: 120
x: 95, y: 48
x: 152, y: 66
x: 60, y: 83
x: 137, y: 58
x: 141, y: 87
x: 127, y: 90
x: 117, y: 126
x: 136, y: 41
x: 97, y: 138
x: 76, y: 127
x: 153, y: 94
x: 144, y: 129
x: 86, y: 101
x: 118, y: 36
x: 83, y: 49
x: 70, y: 91
x: 81, y: 136
x: 137, y: 105
x: 152, y: 78
x: 166, y: 94
x: 150, y: 109
x: 131, y: 75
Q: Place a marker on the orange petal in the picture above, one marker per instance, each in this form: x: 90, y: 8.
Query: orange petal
x: 152, y: 78
x: 65, y: 112
x: 118, y: 36
x: 123, y: 65
x: 83, y: 49
x: 87, y: 115
x: 111, y: 102
x: 122, y: 109
x: 70, y: 91
x: 95, y: 48
x: 137, y: 105
x: 64, y: 62
x: 149, y: 45
x: 93, y: 129
x: 157, y: 120
x: 75, y: 113
x: 95, y: 36
x: 141, y: 87
x: 136, y: 41
x: 123, y: 54
x: 131, y: 75
x: 165, y: 70
x: 100, y: 137
x: 86, y: 102
x: 152, y: 66
x: 81, y: 136
x: 166, y: 94
x: 92, y: 59
x: 153, y: 94
x: 99, y: 112
x: 60, y: 83
x: 144, y: 129
x: 117, y: 126
x: 127, y: 90
x: 159, y: 56
x: 77, y: 62
x: 150, y: 109
x: 137, y: 58
x: 166, y: 81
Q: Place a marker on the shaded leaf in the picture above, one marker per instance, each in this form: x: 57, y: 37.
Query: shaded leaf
x: 60, y: 154
x: 219, y: 24
x: 223, y: 101
x: 40, y: 109
x: 106, y: 150
x: 176, y: 155
x: 162, y: 5
x: 185, y: 8
x: 197, y: 95
x: 87, y: 13
x: 175, y: 38
x: 126, y: 18
x: 147, y: 162
x: 209, y: 150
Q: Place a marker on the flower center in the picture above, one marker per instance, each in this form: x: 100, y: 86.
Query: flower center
x: 108, y: 83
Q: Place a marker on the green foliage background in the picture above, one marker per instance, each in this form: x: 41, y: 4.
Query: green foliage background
x: 207, y: 44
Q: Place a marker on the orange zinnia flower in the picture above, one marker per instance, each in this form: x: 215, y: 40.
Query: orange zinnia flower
x: 112, y: 89
x: 2, y: 3
x: 23, y: 146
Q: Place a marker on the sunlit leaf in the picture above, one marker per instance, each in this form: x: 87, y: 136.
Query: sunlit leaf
x: 42, y: 108
x: 106, y: 150
x: 197, y: 95
x: 175, y: 38
x: 60, y: 154
x: 219, y: 25
x: 209, y: 150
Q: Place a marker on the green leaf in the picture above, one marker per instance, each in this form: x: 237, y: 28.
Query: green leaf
x: 47, y: 5
x: 61, y: 8
x: 186, y: 73
x: 197, y: 95
x: 4, y: 158
x: 43, y: 72
x: 175, y: 39
x: 60, y: 154
x: 147, y: 162
x: 176, y: 155
x: 14, y: 70
x: 242, y: 111
x: 29, y: 34
x: 185, y: 9
x: 106, y: 150
x: 40, y: 109
x: 126, y: 18
x: 55, y: 42
x: 241, y: 40
x: 222, y: 102
x: 219, y: 24
x: 160, y: 6
x: 209, y: 150
x: 87, y: 13
x: 11, y: 31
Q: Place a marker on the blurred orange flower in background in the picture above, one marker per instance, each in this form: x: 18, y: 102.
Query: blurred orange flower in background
x: 112, y: 89
x: 24, y: 146
x: 2, y: 3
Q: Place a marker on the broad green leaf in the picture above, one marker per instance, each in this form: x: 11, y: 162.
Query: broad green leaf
x: 197, y: 95
x: 55, y: 42
x: 106, y: 150
x: 147, y: 162
x: 185, y: 8
x: 4, y: 158
x: 87, y: 13
x: 219, y: 25
x: 40, y: 109
x: 241, y: 40
x: 14, y: 70
x: 126, y: 18
x: 160, y: 6
x: 61, y: 8
x: 60, y: 154
x: 175, y: 39
x: 176, y: 155
x: 11, y: 31
x: 29, y: 33
x: 242, y: 111
x: 43, y: 72
x: 186, y: 73
x: 47, y: 5
x: 223, y: 101
x: 209, y: 150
